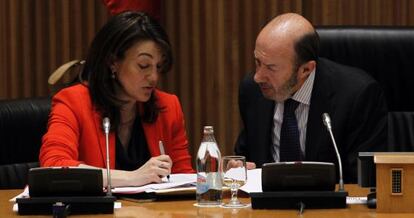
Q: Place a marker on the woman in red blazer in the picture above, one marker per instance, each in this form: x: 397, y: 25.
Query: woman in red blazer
x: 119, y: 81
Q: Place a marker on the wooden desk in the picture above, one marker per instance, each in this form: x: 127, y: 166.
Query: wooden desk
x: 185, y: 208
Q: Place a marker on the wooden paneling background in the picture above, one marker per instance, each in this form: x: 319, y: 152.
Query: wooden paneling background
x: 213, y: 42
x: 37, y: 36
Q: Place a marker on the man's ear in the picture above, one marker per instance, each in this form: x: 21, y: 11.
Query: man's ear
x: 306, y: 69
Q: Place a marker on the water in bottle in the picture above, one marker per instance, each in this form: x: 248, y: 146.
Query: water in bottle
x: 209, y: 183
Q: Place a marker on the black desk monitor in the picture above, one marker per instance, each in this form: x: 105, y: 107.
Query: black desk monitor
x: 65, y: 181
x: 366, y: 170
x: 60, y: 190
x: 367, y: 176
x: 298, y: 176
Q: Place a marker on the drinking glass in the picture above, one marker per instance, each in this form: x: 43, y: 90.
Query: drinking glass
x: 234, y: 176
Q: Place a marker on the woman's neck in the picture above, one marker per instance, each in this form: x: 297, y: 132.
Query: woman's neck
x: 128, y: 112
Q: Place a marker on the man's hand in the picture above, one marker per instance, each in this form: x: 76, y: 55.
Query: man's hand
x: 250, y: 165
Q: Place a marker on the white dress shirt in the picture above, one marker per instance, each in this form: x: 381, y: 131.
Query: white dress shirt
x: 303, y: 96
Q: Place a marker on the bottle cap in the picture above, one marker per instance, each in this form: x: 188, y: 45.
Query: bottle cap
x: 208, y: 129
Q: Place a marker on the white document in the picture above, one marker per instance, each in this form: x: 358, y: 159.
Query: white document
x: 176, y: 181
x: 238, y: 173
x: 356, y: 200
x: 24, y: 194
x: 254, y: 181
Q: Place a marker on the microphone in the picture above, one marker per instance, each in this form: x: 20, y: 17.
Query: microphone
x: 107, y: 126
x: 327, y: 122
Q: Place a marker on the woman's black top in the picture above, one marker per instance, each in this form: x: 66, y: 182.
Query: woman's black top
x: 137, y: 153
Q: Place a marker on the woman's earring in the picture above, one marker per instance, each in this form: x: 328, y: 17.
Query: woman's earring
x: 113, y: 75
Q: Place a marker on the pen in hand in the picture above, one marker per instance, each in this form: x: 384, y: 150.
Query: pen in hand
x: 161, y: 145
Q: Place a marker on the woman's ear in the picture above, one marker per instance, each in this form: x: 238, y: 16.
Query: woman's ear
x: 114, y: 67
x: 113, y: 64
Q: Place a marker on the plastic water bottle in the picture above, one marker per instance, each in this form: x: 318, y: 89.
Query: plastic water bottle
x: 209, y: 183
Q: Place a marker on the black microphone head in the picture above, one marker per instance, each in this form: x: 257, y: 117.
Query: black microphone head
x: 106, y: 124
x: 326, y: 120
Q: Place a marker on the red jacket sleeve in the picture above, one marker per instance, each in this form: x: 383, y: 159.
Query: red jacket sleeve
x: 179, y: 151
x: 60, y: 143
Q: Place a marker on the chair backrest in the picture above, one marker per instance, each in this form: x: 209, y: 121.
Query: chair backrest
x: 23, y: 122
x: 22, y: 125
x: 14, y: 176
x: 387, y: 54
x: 400, y: 131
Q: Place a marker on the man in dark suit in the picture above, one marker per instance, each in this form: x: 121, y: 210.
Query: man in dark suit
x: 288, y: 70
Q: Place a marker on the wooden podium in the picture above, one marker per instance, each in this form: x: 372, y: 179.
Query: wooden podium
x: 395, y: 176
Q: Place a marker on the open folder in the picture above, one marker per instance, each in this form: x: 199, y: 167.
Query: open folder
x: 182, y: 184
x: 178, y: 183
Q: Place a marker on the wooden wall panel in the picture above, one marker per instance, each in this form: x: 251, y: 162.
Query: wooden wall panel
x: 213, y: 42
x: 38, y: 36
x: 359, y: 12
x: 3, y: 36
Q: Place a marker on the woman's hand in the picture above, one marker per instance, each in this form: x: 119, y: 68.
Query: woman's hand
x: 152, y: 171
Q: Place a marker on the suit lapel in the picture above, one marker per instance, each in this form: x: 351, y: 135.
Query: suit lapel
x: 264, y: 130
x: 320, y: 103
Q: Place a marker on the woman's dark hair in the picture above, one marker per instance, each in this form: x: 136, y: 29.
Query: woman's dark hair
x: 307, y: 48
x: 119, y: 34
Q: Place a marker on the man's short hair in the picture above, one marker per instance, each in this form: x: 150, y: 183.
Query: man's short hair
x: 307, y: 48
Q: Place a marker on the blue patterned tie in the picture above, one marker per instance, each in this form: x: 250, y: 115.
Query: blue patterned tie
x: 289, y: 133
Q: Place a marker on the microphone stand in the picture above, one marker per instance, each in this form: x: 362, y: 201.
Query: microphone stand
x: 327, y: 123
x: 107, y: 127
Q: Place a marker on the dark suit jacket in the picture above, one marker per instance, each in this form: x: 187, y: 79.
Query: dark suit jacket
x: 354, y: 101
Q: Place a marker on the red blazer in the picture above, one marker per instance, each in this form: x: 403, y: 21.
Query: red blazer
x: 75, y: 132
